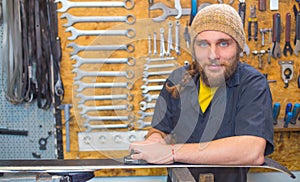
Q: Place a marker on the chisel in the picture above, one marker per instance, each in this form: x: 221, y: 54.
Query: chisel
x: 288, y: 119
x: 276, y: 111
x: 287, y: 110
x: 295, y: 113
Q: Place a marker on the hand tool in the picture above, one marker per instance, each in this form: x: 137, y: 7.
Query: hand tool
x: 269, y: 55
x: 159, y: 80
x: 142, y: 124
x: 230, y: 2
x: 6, y: 131
x: 146, y: 74
x: 288, y: 109
x: 84, y: 98
x: 130, y: 118
x: 276, y: 52
x: 90, y: 127
x: 145, y: 114
x: 246, y: 50
x: 149, y: 97
x: 297, y: 34
x: 66, y: 108
x: 242, y: 10
x: 262, y: 32
x: 287, y: 71
x: 252, y: 19
x: 177, y: 5
x: 83, y: 85
x: 259, y: 55
x: 149, y: 45
x: 129, y: 74
x: 276, y: 111
x: 144, y: 105
x: 295, y: 113
x: 129, y: 19
x: 177, y: 37
x: 154, y: 43
x: 193, y: 11
x: 130, y: 61
x: 287, y: 47
x: 187, y: 35
x: 167, y: 11
x: 288, y: 119
x: 151, y: 66
x: 128, y: 4
x: 78, y: 48
x: 146, y: 89
x: 160, y: 59
x: 130, y: 33
x: 85, y: 109
x: 262, y: 5
x: 170, y: 40
x: 162, y: 52
x: 128, y: 160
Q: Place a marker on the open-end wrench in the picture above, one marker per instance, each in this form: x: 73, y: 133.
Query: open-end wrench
x: 146, y: 89
x: 77, y: 48
x: 177, y: 5
x: 90, y: 127
x: 170, y: 41
x: 130, y: 33
x: 86, y: 109
x: 160, y: 59
x: 80, y: 74
x: 162, y: 43
x: 287, y: 47
x: 144, y: 105
x: 130, y: 61
x: 129, y: 118
x: 177, y: 37
x: 159, y: 80
x: 146, y: 74
x: 145, y: 114
x: 83, y: 85
x: 154, y: 43
x: 297, y: 36
x: 129, y: 19
x: 143, y: 124
x: 128, y: 4
x: 151, y: 66
x: 149, y: 97
x: 277, y: 50
x: 84, y: 98
x: 168, y: 11
x: 149, y: 45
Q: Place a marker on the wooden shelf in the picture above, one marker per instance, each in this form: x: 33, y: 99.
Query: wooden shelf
x: 291, y: 127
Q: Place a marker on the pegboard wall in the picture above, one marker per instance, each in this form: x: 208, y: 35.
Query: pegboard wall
x: 24, y: 117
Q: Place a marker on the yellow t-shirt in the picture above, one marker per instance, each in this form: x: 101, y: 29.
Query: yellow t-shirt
x: 205, y: 95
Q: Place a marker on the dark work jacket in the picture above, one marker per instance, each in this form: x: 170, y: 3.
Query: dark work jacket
x: 242, y: 106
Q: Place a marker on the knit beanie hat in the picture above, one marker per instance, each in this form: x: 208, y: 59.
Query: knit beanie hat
x: 219, y: 17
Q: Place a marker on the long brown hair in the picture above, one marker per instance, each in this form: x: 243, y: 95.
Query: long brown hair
x: 191, y: 71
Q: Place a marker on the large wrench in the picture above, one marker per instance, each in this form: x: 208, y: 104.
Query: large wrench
x: 147, y: 66
x: 129, y: 19
x: 130, y: 61
x: 80, y: 74
x: 145, y: 114
x: 146, y: 74
x: 130, y: 33
x: 168, y: 11
x: 146, y: 89
x: 84, y: 98
x: 128, y: 4
x: 86, y: 109
x: 143, y: 124
x: 83, y: 85
x: 144, y: 105
x: 77, y: 48
x: 159, y: 80
x: 90, y: 127
x: 160, y: 59
x: 88, y: 118
x: 149, y: 97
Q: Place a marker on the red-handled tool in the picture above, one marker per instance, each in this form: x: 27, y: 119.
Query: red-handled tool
x: 287, y: 47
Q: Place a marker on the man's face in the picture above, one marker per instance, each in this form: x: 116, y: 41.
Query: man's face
x: 217, y: 54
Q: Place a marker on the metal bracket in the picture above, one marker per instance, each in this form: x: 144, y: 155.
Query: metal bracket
x: 287, y: 71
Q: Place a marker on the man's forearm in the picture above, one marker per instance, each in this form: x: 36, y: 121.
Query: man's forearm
x: 244, y: 150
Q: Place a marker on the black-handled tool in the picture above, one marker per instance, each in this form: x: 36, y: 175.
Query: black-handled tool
x: 5, y: 131
x: 276, y: 111
x: 295, y: 113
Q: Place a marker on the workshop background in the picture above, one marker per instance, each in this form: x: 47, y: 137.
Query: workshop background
x: 111, y: 78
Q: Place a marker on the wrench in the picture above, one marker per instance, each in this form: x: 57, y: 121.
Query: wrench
x: 160, y: 59
x: 168, y: 11
x: 149, y: 97
x: 88, y: 118
x: 147, y: 74
x: 90, y: 127
x: 146, y: 89
x: 128, y: 4
x: 144, y: 105
x: 83, y: 85
x: 177, y: 37
x: 77, y: 48
x: 178, y: 8
x: 84, y: 98
x: 147, y: 67
x: 129, y: 74
x: 143, y: 124
x: 130, y: 61
x: 145, y: 114
x: 170, y: 42
x: 130, y: 33
x: 154, y: 44
x: 129, y: 19
x: 287, y: 47
x: 86, y: 109
x: 162, y: 80
x: 162, y: 43
x: 149, y: 45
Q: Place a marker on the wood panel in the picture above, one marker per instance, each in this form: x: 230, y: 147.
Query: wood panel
x: 287, y: 145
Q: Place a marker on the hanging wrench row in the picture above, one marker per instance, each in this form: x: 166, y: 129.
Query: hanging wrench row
x: 163, y: 51
x: 83, y: 85
x: 130, y: 118
x: 85, y: 98
x: 128, y: 4
x: 85, y: 109
x: 129, y: 74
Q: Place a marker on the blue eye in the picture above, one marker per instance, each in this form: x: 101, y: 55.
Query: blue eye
x: 223, y: 44
x: 202, y: 43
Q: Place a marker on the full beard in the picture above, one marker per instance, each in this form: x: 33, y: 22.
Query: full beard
x: 218, y: 79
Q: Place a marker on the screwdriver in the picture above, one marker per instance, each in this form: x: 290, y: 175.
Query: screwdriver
x: 295, y: 113
x: 276, y: 111
x: 288, y: 119
x: 287, y: 110
x: 187, y: 36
